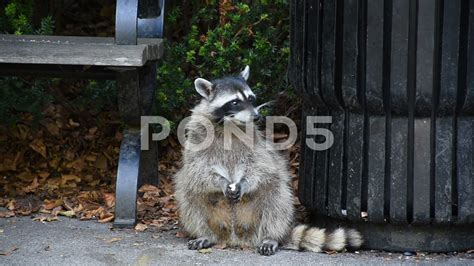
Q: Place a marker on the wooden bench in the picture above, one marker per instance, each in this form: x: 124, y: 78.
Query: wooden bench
x: 130, y: 58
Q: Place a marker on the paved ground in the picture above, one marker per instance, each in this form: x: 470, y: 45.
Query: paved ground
x: 75, y: 242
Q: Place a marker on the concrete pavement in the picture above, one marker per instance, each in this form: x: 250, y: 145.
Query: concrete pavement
x: 74, y: 242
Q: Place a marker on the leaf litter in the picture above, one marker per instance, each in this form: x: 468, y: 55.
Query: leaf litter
x: 65, y: 165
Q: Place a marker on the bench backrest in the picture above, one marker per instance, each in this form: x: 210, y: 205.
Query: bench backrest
x: 138, y: 19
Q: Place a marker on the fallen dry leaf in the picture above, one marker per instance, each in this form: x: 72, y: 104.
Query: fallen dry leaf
x: 51, y: 204
x: 140, y: 227
x: 43, y: 174
x: 38, y: 146
x: 148, y: 188
x: 26, y: 176
x: 101, y: 163
x: 91, y: 158
x: 44, y: 219
x: 67, y: 178
x: 69, y: 213
x: 7, y: 253
x: 181, y: 234
x: 6, y: 214
x: 107, y: 218
x: 73, y: 124
x: 53, y: 129
x: 32, y: 187
x: 22, y: 132
x: 112, y: 240
x: 11, y: 205
x: 109, y: 199
x: 205, y: 250
x: 56, y: 211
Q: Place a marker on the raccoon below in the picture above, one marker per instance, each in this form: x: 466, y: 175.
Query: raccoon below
x: 240, y: 195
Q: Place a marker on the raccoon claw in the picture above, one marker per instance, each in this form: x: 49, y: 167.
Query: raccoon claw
x: 233, y: 195
x: 199, y: 243
x: 268, y: 248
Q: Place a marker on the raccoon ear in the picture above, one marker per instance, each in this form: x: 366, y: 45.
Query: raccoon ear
x: 203, y: 87
x: 245, y: 73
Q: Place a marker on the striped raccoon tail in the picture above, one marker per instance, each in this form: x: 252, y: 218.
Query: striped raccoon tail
x: 304, y: 237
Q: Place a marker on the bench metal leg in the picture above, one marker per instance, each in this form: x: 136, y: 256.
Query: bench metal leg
x: 136, y: 167
x: 127, y: 179
x: 149, y: 164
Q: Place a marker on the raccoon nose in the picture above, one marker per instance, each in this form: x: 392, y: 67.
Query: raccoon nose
x: 257, y: 117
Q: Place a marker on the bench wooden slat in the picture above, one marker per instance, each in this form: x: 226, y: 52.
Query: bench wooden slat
x: 65, y: 50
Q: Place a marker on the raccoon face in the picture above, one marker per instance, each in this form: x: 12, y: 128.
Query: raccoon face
x: 229, y: 99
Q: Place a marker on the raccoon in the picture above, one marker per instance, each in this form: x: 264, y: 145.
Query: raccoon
x: 240, y: 196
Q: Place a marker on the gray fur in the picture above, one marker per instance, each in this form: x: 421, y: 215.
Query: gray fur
x: 255, y: 176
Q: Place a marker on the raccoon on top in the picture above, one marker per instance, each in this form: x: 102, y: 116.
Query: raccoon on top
x: 240, y: 196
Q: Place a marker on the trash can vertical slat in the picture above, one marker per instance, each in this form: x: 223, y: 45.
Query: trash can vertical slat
x: 355, y: 156
x: 425, y: 52
x: 312, y: 52
x: 445, y: 109
x: 398, y: 170
x: 354, y: 128
x: 399, y: 106
x: 349, y: 56
x: 465, y: 170
x: 307, y: 166
x: 336, y: 167
x: 303, y: 167
x: 399, y: 57
x: 374, y: 102
x: 469, y: 101
x: 465, y: 124
x: 422, y: 171
x: 376, y: 169
x: 443, y: 169
x: 328, y: 55
x: 321, y: 171
x: 374, y: 62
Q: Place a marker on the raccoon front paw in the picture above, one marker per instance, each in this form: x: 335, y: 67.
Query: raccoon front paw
x: 268, y: 247
x: 199, y: 243
x: 233, y: 192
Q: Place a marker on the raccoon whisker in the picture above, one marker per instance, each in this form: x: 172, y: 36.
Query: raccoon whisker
x: 264, y: 104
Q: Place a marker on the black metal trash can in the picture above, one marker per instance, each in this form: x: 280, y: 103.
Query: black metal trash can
x: 397, y: 78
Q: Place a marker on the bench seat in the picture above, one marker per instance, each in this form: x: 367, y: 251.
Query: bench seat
x: 72, y: 50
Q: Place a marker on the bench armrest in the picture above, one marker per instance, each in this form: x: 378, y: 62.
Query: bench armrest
x: 128, y: 25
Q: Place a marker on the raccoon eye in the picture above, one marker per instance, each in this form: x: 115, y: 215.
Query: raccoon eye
x: 251, y: 99
x: 234, y: 102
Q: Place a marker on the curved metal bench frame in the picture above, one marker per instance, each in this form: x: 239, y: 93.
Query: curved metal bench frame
x: 135, y: 166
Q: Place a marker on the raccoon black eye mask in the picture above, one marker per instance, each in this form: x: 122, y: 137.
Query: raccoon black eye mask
x: 233, y: 107
x: 241, y: 197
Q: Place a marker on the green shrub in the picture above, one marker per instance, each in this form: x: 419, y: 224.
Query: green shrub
x: 18, y: 95
x: 16, y: 18
x: 208, y: 39
x: 97, y: 96
x: 218, y: 39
